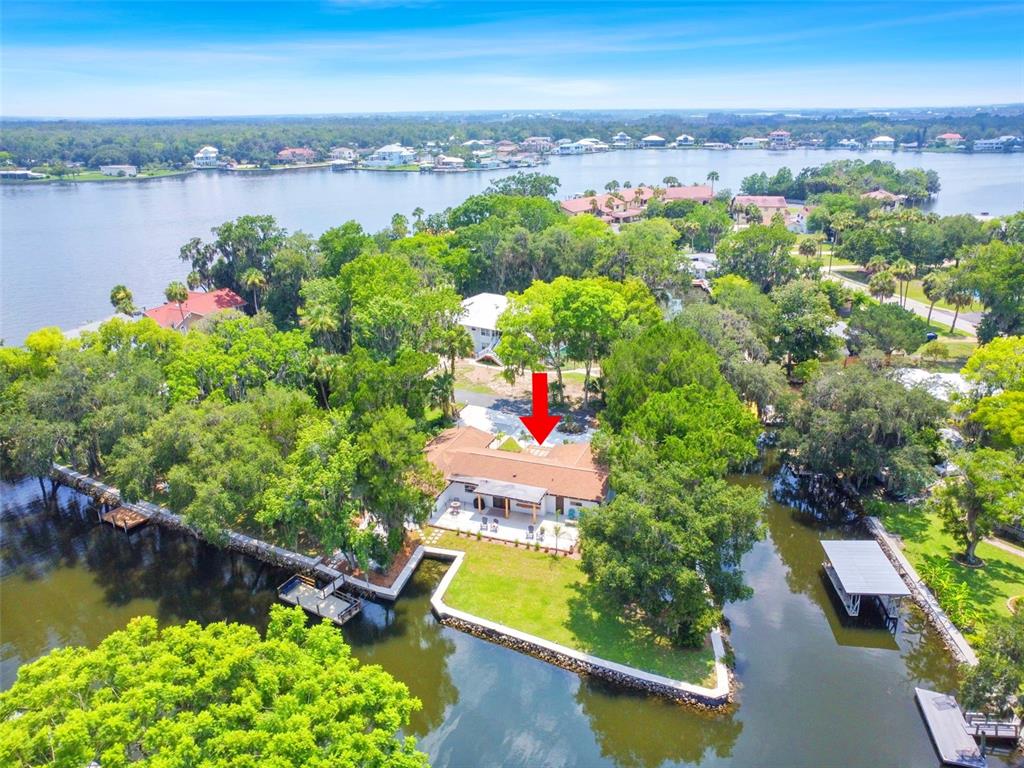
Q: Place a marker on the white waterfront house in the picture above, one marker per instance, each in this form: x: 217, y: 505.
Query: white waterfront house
x: 751, y: 142
x: 652, y: 142
x: 994, y: 145
x: 516, y: 489
x: 480, y: 315
x: 851, y: 144
x: 343, y: 153
x: 207, y: 157
x: 684, y: 140
x: 119, y: 170
x: 390, y: 155
x: 882, y: 142
x: 779, y: 139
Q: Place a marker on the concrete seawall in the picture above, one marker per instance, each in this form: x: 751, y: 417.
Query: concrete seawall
x: 577, y: 661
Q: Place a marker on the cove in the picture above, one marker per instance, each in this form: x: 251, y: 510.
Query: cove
x: 812, y: 691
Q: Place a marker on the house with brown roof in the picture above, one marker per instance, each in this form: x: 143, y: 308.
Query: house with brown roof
x: 769, y: 205
x: 296, y: 155
x: 626, y: 205
x: 533, y: 484
x: 199, y: 304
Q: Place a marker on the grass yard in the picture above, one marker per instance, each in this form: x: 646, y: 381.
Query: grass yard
x: 914, y: 291
x: 925, y: 542
x: 548, y: 596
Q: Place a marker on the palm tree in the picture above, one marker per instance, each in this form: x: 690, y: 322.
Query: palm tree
x: 839, y: 223
x: 807, y: 248
x: 557, y: 530
x: 876, y: 265
x: 611, y: 186
x: 670, y: 181
x: 321, y: 321
x: 712, y: 177
x: 882, y: 285
x: 935, y: 285
x: 417, y: 214
x: 122, y: 300
x: 903, y: 271
x: 255, y: 281
x: 322, y: 366
x: 178, y: 293
x: 959, y: 295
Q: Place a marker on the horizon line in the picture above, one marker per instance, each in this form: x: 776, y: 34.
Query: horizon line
x: 639, y: 111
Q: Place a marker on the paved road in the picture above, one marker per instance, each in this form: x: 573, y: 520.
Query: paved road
x: 917, y: 307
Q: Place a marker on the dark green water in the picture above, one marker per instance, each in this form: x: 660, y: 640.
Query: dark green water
x: 814, y: 693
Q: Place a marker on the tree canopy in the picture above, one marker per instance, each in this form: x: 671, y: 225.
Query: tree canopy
x: 217, y: 695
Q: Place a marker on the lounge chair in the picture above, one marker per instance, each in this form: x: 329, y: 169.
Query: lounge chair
x: 529, y: 531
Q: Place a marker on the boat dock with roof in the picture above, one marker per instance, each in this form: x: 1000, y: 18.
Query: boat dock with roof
x: 859, y: 569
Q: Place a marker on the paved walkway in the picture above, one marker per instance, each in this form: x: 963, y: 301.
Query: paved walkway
x: 917, y: 307
x: 1005, y: 546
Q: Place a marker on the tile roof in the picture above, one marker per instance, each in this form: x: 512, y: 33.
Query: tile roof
x: 761, y: 201
x: 199, y: 303
x: 567, y: 470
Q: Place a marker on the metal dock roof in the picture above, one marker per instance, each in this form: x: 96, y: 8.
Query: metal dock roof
x: 863, y: 568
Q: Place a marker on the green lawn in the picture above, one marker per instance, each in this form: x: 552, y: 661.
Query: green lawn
x: 925, y: 542
x: 472, y: 386
x: 914, y: 291
x: 547, y: 596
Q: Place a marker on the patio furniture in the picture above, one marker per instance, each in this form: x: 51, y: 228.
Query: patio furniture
x: 454, y: 507
x: 494, y: 525
x: 529, y: 531
x: 540, y: 534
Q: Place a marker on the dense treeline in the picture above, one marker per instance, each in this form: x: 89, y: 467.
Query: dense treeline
x: 845, y: 176
x: 172, y: 143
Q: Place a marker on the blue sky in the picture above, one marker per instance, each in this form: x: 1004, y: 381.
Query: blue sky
x: 141, y: 58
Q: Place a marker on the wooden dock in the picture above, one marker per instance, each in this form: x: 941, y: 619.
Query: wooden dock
x: 992, y: 729
x: 948, y: 729
x: 124, y: 518
x: 303, y: 592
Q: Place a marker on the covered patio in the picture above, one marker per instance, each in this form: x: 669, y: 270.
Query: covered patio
x: 506, y: 524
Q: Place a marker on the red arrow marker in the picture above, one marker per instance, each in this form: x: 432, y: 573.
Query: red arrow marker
x: 540, y: 422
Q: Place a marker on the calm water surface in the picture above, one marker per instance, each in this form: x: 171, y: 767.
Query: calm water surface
x: 63, y: 246
x: 813, y: 693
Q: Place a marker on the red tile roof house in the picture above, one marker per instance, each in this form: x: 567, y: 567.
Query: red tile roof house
x: 296, y: 155
x: 633, y: 202
x: 199, y: 304
x: 769, y: 205
x: 528, y: 487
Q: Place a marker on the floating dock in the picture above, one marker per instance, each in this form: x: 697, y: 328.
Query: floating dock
x: 948, y: 729
x: 303, y: 592
x: 124, y: 518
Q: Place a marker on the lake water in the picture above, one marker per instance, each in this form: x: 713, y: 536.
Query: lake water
x: 63, y: 246
x: 812, y: 692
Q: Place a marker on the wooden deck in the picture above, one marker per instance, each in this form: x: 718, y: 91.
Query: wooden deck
x: 124, y: 518
x: 325, y: 603
x: 948, y: 730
